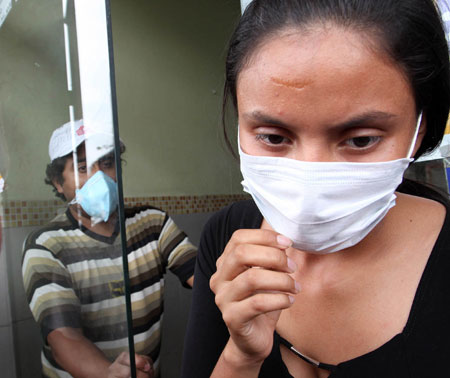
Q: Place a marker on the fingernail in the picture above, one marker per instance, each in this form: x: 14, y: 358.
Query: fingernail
x: 291, y: 265
x: 291, y: 299
x: 297, y: 286
x: 283, y: 241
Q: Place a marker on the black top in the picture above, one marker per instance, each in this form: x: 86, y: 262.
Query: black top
x: 421, y: 350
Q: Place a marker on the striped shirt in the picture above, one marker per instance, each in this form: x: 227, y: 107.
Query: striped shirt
x: 74, y: 278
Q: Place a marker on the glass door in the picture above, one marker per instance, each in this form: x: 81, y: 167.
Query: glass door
x: 62, y: 272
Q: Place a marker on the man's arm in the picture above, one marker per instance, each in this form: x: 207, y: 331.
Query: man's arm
x: 177, y: 252
x: 81, y: 358
x: 190, y: 281
x: 76, y: 354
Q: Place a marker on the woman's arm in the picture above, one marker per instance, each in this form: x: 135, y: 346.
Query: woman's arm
x: 232, y: 363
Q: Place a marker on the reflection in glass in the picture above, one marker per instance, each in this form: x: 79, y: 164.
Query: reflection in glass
x: 57, y: 116
x: 72, y: 267
x: 173, y: 98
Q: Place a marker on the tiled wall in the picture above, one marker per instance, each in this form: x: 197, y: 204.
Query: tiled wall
x: 37, y: 213
x: 29, y: 213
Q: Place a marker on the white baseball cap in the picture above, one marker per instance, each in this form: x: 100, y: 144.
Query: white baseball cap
x: 63, y: 141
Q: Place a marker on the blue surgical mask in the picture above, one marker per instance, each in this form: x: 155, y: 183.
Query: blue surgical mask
x: 98, y: 197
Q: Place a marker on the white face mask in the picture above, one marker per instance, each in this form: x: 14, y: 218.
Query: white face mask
x: 323, y: 207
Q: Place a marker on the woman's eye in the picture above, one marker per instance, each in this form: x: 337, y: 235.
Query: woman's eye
x: 271, y: 138
x: 82, y: 169
x: 363, y: 141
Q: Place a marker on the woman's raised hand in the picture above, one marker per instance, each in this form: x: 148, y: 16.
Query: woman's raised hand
x: 252, y: 285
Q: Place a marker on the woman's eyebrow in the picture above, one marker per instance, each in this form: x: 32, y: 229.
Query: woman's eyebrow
x: 259, y: 116
x: 358, y: 120
x: 366, y: 118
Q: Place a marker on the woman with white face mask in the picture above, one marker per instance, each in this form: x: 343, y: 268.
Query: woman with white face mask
x: 329, y: 271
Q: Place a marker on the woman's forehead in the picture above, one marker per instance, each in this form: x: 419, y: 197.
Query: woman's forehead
x: 332, y: 65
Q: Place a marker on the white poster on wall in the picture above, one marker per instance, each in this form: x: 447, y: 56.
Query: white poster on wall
x: 443, y: 151
x: 244, y: 4
x: 444, y: 7
x: 5, y: 7
x: 95, y: 81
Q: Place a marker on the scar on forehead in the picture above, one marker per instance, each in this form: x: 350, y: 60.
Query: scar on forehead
x: 294, y: 84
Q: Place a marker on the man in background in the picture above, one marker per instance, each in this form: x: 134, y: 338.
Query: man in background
x: 72, y: 268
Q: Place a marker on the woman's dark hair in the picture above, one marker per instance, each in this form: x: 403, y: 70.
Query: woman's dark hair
x: 54, y: 170
x: 409, y: 31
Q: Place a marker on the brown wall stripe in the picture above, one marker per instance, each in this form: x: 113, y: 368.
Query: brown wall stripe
x: 38, y: 213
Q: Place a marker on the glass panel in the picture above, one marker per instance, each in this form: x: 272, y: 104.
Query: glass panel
x: 56, y: 118
x: 169, y: 62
